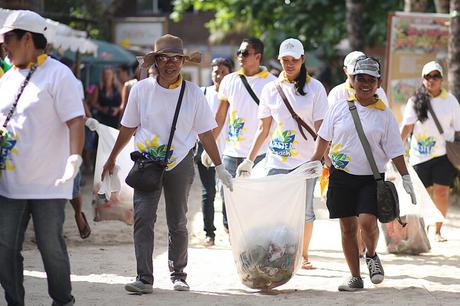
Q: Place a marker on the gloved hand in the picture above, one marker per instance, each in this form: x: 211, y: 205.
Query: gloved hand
x: 206, y: 160
x: 71, y: 169
x: 245, y: 168
x: 110, y: 183
x: 224, y: 176
x: 407, y: 184
x: 91, y: 123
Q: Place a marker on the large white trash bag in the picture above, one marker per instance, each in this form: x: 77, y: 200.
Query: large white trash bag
x: 266, y: 218
x: 411, y: 239
x: 112, y: 199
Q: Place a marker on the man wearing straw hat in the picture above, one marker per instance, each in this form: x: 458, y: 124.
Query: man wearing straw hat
x: 149, y: 114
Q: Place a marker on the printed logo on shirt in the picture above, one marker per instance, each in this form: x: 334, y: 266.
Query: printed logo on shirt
x: 235, y: 129
x: 424, y: 144
x: 7, y: 146
x: 282, y: 143
x: 339, y: 160
x: 152, y: 150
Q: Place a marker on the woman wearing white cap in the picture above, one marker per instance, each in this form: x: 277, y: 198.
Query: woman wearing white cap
x: 428, y: 145
x: 352, y: 192
x: 290, y: 145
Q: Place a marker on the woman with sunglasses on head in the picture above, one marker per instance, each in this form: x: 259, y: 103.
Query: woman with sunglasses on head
x: 352, y: 192
x: 289, y: 145
x: 220, y: 67
x: 428, y: 145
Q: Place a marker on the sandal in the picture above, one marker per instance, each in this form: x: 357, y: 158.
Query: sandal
x: 439, y: 238
x: 86, y: 230
x: 306, y: 265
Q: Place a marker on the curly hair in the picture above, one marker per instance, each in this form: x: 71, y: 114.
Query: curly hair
x: 421, y: 100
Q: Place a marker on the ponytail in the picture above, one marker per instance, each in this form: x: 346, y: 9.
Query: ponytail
x: 421, y: 100
x: 300, y: 80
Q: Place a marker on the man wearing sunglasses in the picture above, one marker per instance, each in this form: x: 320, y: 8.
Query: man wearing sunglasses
x: 240, y: 101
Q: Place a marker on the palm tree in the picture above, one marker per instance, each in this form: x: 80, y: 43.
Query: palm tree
x: 354, y: 24
x: 415, y: 5
x: 454, y: 48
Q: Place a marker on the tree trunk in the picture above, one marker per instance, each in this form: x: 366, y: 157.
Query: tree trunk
x: 442, y: 6
x: 415, y: 5
x: 454, y: 48
x: 354, y: 24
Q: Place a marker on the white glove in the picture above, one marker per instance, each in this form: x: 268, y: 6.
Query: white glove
x: 407, y: 184
x: 206, y: 160
x: 71, y: 169
x: 245, y: 168
x: 224, y: 176
x: 92, y: 124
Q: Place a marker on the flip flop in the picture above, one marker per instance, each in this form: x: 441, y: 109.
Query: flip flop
x: 86, y: 231
x: 306, y: 265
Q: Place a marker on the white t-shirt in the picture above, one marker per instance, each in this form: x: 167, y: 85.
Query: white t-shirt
x: 426, y: 141
x: 151, y: 108
x: 344, y: 91
x: 213, y: 102
x: 287, y: 148
x: 242, y: 113
x: 346, y: 152
x: 37, y: 151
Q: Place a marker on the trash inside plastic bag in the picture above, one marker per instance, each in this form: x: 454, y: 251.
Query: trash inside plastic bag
x: 112, y: 199
x: 266, y: 220
x: 411, y: 239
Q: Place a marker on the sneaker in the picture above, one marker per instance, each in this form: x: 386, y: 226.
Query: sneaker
x: 439, y: 238
x: 180, y: 285
x: 139, y: 287
x: 375, y: 269
x: 352, y: 283
x: 209, y: 241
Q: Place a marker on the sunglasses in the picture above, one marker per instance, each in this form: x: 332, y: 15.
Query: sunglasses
x: 436, y: 76
x: 175, y: 59
x: 244, y: 53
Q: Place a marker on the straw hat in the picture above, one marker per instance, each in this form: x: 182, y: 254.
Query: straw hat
x: 169, y: 45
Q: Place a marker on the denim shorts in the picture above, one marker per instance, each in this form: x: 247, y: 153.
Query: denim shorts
x: 309, y: 211
x: 76, y: 185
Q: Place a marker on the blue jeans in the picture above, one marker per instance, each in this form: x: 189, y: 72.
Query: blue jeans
x: 48, y: 217
x: 309, y: 211
x: 208, y: 193
x: 230, y: 164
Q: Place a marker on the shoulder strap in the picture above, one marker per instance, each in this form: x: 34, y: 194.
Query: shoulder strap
x: 436, y: 121
x: 205, y: 89
x: 173, y: 127
x: 363, y: 139
x: 294, y: 115
x: 249, y: 89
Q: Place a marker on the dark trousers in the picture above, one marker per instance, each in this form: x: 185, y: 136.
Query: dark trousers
x: 48, y: 218
x: 176, y: 186
x: 208, y: 194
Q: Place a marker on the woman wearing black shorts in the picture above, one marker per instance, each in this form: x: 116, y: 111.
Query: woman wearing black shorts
x: 427, y: 145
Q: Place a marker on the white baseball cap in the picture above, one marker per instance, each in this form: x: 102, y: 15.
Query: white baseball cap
x: 23, y: 20
x: 350, y: 60
x: 291, y: 47
x: 367, y: 66
x: 431, y: 66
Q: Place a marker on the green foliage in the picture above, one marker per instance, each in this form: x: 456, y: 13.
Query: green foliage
x: 317, y: 23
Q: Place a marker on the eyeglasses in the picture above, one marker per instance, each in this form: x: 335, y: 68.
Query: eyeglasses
x: 435, y: 76
x: 244, y: 53
x: 164, y: 58
x: 366, y: 79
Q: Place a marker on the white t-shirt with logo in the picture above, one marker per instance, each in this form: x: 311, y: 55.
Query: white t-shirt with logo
x: 242, y: 113
x: 35, y: 150
x: 426, y: 141
x: 346, y: 152
x: 344, y: 91
x: 151, y: 108
x: 287, y: 148
x: 213, y: 102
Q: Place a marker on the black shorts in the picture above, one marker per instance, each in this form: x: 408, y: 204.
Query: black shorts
x: 351, y: 195
x: 438, y: 170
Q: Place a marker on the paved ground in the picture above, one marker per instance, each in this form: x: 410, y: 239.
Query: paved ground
x: 105, y: 261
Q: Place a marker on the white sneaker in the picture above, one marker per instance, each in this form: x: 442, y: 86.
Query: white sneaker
x: 180, y: 285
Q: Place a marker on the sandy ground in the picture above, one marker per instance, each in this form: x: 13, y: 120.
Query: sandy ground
x: 103, y: 263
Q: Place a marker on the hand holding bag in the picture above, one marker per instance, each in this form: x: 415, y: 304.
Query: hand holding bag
x: 387, y: 196
x: 147, y: 174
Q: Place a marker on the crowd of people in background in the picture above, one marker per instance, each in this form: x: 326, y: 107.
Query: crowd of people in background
x: 245, y: 116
